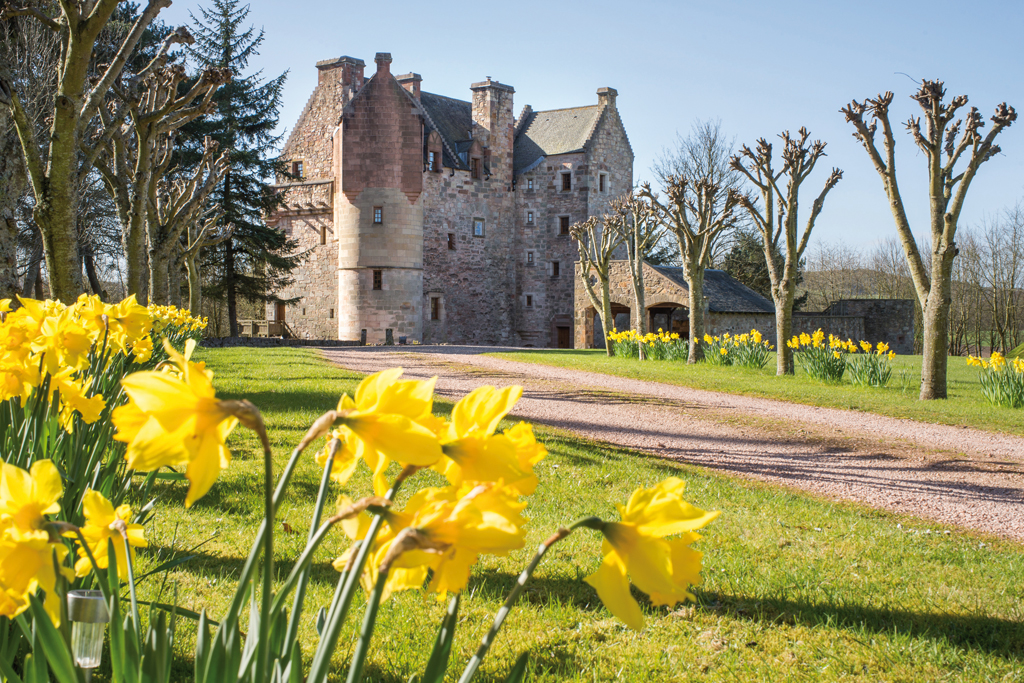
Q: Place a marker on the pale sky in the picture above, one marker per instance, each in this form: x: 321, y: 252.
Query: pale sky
x: 761, y: 67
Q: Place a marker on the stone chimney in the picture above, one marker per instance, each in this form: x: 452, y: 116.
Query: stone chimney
x: 347, y: 70
x: 606, y: 97
x: 493, y: 124
x: 411, y: 82
x: 383, y: 60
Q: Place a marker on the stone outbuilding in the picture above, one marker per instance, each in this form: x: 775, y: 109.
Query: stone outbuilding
x: 731, y: 306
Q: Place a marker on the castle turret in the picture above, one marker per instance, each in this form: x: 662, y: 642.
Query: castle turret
x: 379, y: 211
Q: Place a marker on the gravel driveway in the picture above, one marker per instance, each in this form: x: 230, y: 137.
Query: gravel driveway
x: 957, y: 476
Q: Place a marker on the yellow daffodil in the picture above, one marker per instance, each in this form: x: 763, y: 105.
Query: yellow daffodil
x: 73, y: 399
x: 638, y: 548
x: 102, y: 524
x: 142, y: 350
x: 175, y: 420
x: 27, y: 497
x: 383, y: 423
x: 27, y: 564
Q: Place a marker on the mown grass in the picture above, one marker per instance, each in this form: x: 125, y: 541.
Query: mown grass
x: 965, y: 405
x: 796, y: 588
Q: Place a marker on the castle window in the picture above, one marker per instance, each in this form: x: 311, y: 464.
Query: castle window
x: 529, y: 183
x: 554, y: 269
x: 474, y: 168
x: 529, y: 258
x: 323, y: 234
x: 332, y: 312
x: 378, y: 279
x: 431, y: 161
x: 563, y: 225
x: 529, y: 217
x: 529, y: 301
x: 478, y: 227
x: 303, y: 311
x: 566, y: 181
x: 435, y: 308
x: 378, y: 215
x: 451, y: 241
x: 297, y: 169
x: 602, y: 182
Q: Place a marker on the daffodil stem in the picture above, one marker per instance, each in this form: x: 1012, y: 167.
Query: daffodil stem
x: 339, y: 610
x: 263, y: 662
x: 499, y: 618
x: 131, y: 587
x: 321, y: 501
x: 355, y: 670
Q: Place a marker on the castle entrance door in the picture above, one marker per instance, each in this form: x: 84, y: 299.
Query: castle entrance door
x: 564, y: 337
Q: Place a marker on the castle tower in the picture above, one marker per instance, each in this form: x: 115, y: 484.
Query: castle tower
x: 493, y: 125
x: 378, y: 211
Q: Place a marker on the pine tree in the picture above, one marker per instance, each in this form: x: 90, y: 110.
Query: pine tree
x: 745, y: 262
x: 258, y: 259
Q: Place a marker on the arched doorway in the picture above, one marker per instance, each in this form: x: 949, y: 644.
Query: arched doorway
x: 669, y: 316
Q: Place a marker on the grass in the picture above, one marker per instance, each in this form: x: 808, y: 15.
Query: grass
x: 796, y: 588
x: 965, y: 405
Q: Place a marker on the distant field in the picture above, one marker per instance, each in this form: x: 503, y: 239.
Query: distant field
x: 964, y: 407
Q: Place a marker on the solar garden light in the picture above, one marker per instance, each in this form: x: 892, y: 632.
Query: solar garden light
x: 88, y: 613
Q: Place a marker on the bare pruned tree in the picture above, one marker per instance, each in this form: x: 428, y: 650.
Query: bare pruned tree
x: 598, y: 242
x: 633, y: 218
x: 777, y: 219
x: 54, y: 162
x: 698, y: 211
x: 945, y: 141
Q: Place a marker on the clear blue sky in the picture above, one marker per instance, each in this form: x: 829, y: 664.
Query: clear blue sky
x: 761, y: 67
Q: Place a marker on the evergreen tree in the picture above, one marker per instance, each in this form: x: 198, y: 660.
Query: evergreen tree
x: 745, y: 262
x: 257, y: 261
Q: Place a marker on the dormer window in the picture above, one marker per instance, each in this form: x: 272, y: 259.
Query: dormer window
x: 434, y: 157
x: 474, y: 168
x: 297, y: 169
x: 431, y: 161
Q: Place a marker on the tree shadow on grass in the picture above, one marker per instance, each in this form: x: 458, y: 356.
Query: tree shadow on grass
x: 993, y: 635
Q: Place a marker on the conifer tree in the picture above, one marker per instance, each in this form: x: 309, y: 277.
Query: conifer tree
x: 258, y: 259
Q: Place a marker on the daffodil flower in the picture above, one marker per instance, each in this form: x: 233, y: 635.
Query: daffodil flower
x: 27, y: 564
x: 175, y: 420
x: 103, y: 523
x: 27, y: 497
x: 638, y: 548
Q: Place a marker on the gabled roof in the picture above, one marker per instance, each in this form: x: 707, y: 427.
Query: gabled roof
x: 453, y: 120
x: 725, y: 293
x: 557, y: 131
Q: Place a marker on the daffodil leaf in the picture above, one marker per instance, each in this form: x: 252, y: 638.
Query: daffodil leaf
x: 321, y: 619
x: 518, y: 672
x: 54, y: 648
x: 438, y: 662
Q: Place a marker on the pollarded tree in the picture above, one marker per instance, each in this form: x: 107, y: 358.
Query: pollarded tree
x: 636, y: 223
x: 54, y: 162
x: 598, y: 243
x: 777, y: 220
x: 697, y: 211
x: 945, y: 140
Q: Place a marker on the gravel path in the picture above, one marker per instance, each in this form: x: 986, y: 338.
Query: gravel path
x: 963, y: 477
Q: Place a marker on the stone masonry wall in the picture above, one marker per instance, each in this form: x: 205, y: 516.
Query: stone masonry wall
x: 888, y: 320
x: 314, y: 316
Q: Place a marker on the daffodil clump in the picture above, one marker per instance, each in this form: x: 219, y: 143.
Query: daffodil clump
x: 173, y: 419
x: 829, y: 362
x: 1002, y: 379
x: 656, y: 346
x: 749, y: 350
x: 33, y: 553
x: 873, y: 367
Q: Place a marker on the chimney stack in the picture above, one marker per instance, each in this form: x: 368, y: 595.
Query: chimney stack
x: 411, y: 82
x: 348, y: 69
x: 383, y: 60
x: 606, y: 96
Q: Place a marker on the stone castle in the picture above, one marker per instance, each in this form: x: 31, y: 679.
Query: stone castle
x: 437, y: 219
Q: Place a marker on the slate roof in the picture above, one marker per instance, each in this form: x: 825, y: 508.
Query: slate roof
x: 725, y: 294
x: 452, y: 119
x: 557, y: 131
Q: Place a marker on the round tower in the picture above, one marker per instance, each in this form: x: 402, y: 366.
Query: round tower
x: 378, y: 212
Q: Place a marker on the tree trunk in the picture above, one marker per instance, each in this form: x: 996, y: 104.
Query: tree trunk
x: 158, y: 264
x: 174, y: 280
x: 695, y: 280
x: 783, y: 331
x: 12, y: 184
x: 229, y: 281
x: 606, y: 315
x: 90, y: 272
x: 936, y: 330
x: 195, y: 292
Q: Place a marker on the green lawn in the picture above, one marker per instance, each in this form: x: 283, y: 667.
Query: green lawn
x: 796, y: 588
x: 964, y: 407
